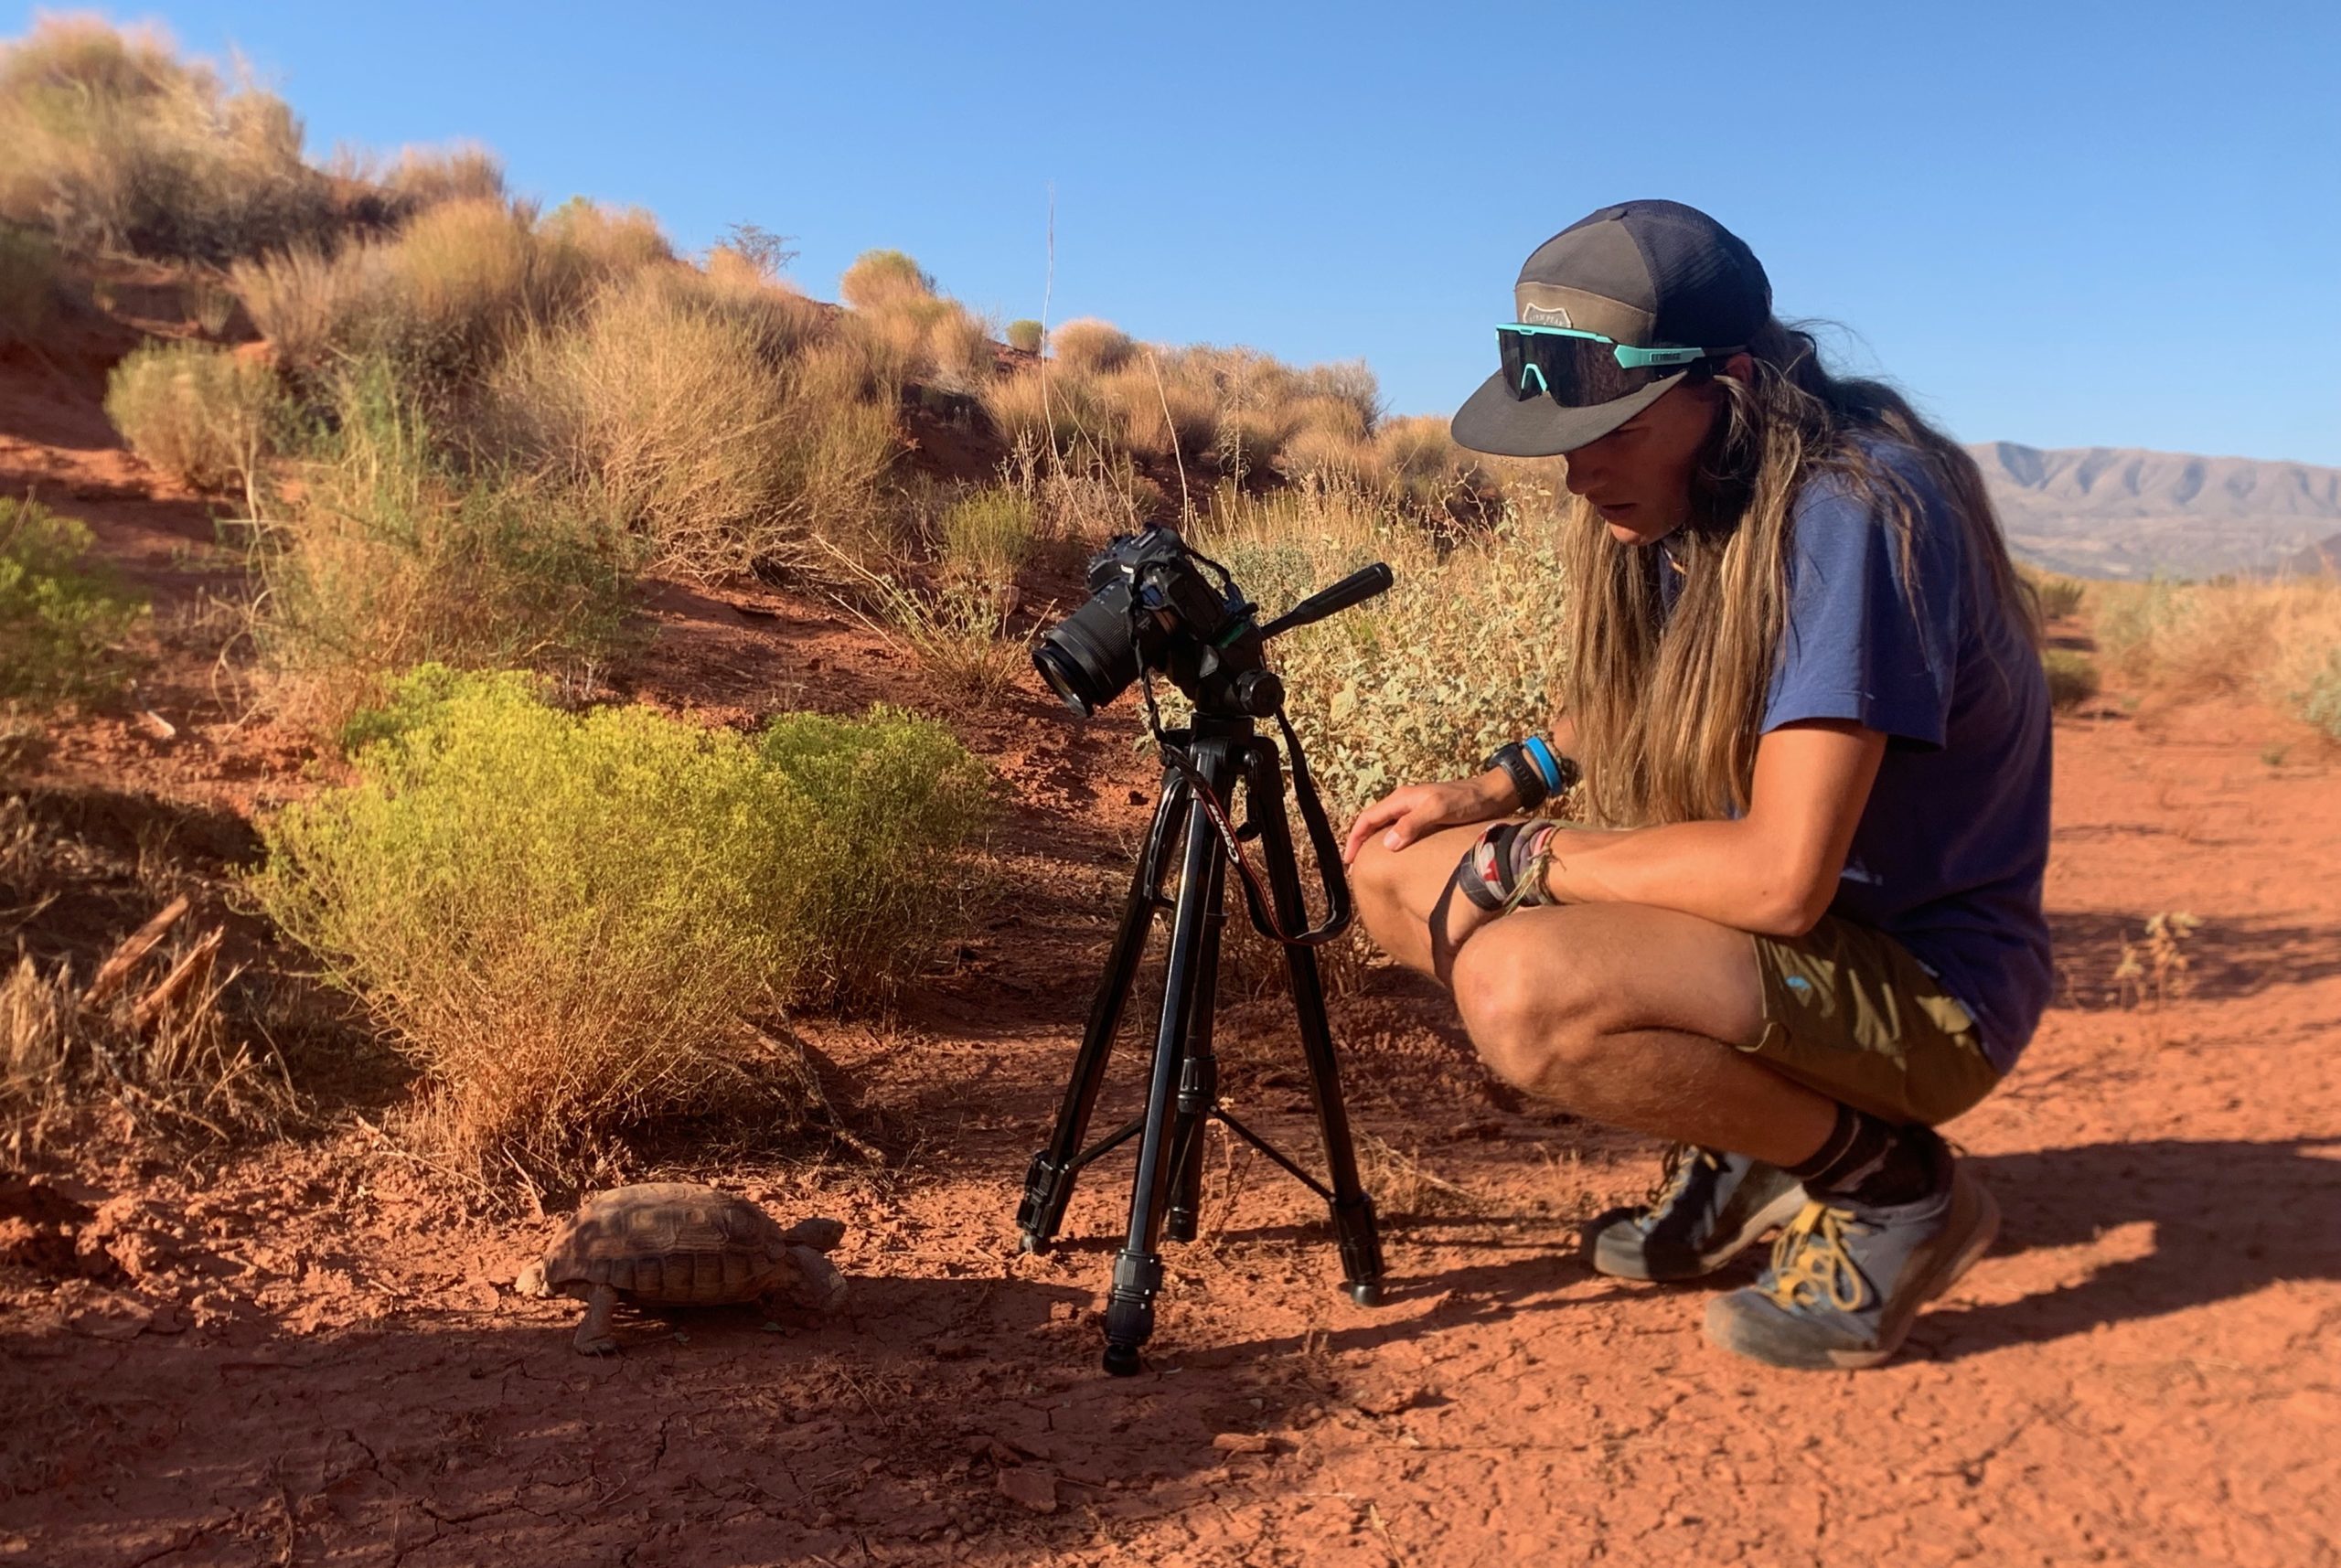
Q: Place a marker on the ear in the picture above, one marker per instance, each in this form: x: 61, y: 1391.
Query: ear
x: 1740, y: 366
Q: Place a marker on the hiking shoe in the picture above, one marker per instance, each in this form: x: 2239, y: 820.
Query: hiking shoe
x: 1845, y: 1282
x: 1705, y: 1208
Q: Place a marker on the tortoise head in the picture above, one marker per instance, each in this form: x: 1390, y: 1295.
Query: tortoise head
x: 532, y: 1280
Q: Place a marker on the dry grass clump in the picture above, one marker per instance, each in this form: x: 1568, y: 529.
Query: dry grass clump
x: 880, y: 279
x: 569, y: 921
x: 1153, y: 410
x: 421, y: 177
x: 206, y: 414
x: 2182, y: 641
x: 392, y: 558
x: 1026, y: 336
x: 1087, y: 347
x: 62, y: 616
x: 986, y: 535
x: 699, y: 414
x: 447, y: 295
x: 116, y: 144
x: 1039, y: 409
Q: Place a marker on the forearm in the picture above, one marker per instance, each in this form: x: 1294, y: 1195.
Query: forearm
x: 1724, y: 872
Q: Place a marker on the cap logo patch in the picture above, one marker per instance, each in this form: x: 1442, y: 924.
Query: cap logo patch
x: 1545, y: 315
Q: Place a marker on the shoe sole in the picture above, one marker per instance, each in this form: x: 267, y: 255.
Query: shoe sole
x: 1635, y: 1264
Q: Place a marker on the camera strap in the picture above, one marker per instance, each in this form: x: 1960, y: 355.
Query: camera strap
x: 1258, y: 900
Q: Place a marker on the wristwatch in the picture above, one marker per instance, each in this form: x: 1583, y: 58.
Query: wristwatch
x: 1534, y: 769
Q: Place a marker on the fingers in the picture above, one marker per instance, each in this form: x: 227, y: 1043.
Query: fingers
x: 1372, y: 819
x: 1421, y: 816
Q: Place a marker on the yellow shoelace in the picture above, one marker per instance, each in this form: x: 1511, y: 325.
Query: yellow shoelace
x: 1810, y: 1263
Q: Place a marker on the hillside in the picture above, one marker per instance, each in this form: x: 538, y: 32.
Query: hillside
x: 2125, y: 512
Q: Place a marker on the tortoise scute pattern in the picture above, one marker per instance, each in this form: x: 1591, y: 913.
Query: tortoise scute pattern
x: 681, y: 1244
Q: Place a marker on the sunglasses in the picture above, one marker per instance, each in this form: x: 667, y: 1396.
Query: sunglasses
x: 1577, y: 370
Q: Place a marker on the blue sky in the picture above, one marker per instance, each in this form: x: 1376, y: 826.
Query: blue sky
x: 2060, y: 223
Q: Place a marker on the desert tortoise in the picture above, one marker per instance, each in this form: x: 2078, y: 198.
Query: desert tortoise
x: 680, y: 1244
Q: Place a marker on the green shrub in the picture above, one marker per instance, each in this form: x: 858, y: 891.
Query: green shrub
x: 896, y: 797
x: 567, y: 920
x: 28, y: 284
x: 2060, y: 597
x: 208, y: 415
x: 61, y: 616
x: 1026, y: 335
x: 2072, y: 678
x: 390, y: 560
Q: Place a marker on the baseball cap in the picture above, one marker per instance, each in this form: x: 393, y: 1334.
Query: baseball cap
x: 1652, y: 274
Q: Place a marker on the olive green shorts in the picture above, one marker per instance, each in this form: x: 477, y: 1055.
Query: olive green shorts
x: 1848, y: 1012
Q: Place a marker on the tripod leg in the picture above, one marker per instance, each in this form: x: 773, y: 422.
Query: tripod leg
x: 1353, y: 1223
x: 1048, y: 1183
x: 1137, y: 1269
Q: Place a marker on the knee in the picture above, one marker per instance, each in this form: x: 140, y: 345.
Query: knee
x: 1534, y: 1024
x: 1377, y: 883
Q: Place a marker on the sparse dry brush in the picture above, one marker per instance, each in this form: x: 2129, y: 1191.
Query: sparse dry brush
x: 2277, y: 641
x: 717, y: 421
x: 572, y: 920
x: 31, y: 282
x: 392, y: 558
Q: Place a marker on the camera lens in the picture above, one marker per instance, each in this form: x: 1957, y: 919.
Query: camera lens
x: 1087, y: 658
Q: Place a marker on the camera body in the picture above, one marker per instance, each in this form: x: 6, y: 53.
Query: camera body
x: 1152, y: 608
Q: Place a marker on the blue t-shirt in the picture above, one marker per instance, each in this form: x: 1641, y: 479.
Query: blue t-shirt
x: 1952, y: 847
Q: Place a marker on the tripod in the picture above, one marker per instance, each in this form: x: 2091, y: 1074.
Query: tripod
x: 1224, y: 752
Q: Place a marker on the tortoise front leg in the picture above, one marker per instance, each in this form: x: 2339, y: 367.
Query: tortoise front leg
x: 593, y: 1335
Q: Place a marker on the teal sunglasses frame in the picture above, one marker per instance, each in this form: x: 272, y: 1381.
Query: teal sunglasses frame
x: 1628, y: 355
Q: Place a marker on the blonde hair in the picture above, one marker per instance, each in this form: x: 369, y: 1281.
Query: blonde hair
x: 1667, y: 708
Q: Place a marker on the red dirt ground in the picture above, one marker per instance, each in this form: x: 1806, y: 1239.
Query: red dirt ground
x: 309, y: 1353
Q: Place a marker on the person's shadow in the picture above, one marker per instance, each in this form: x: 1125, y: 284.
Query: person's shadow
x: 2228, y: 1218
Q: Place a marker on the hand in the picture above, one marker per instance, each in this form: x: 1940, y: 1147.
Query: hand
x: 1407, y: 812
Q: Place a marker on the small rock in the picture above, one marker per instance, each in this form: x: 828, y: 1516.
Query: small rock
x: 1244, y: 1443
x: 1027, y: 1488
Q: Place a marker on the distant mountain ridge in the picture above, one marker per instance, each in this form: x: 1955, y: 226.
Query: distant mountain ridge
x: 2104, y: 511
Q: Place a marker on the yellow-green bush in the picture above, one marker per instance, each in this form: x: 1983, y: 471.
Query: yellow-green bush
x: 390, y: 558
x: 1026, y: 336
x: 61, y: 615
x: 567, y: 920
x: 115, y: 143
x: 206, y: 414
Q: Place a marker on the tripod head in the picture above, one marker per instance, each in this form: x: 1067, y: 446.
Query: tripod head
x: 1154, y: 609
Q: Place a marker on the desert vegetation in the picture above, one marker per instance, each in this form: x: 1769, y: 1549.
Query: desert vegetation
x: 470, y: 429
x: 573, y: 921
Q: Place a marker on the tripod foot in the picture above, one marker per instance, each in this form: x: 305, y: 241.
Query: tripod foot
x: 1122, y: 1360
x: 1366, y: 1293
x: 1029, y: 1243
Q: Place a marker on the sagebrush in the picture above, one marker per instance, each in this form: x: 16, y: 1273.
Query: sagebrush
x: 208, y: 415
x: 570, y: 919
x: 62, y: 615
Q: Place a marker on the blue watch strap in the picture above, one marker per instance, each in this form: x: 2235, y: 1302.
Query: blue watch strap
x: 1546, y: 764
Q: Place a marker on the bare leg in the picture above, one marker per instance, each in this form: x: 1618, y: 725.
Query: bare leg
x: 1629, y: 1016
x: 1625, y: 1014
x: 593, y: 1335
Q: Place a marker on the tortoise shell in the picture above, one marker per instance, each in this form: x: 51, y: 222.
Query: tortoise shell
x: 682, y: 1244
